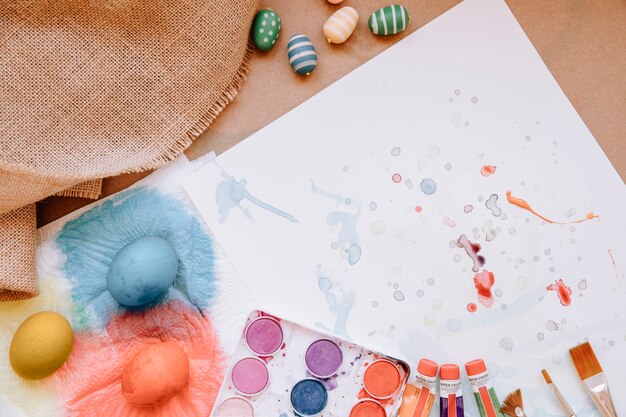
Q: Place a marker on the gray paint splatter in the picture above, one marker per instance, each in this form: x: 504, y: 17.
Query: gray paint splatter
x: 428, y: 186
x: 409, y: 184
x: 492, y: 205
x: 552, y: 326
x: 398, y: 295
x: 348, y: 237
x: 230, y: 193
x: 507, y: 344
x: 339, y: 302
x: 582, y: 285
x: 395, y: 151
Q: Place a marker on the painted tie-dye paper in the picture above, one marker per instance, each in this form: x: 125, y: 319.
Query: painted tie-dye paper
x: 450, y: 204
x: 202, y: 312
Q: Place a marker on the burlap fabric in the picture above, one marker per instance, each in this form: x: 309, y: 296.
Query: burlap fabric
x: 95, y: 88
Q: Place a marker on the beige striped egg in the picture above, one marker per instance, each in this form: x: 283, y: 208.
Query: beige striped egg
x: 340, y: 25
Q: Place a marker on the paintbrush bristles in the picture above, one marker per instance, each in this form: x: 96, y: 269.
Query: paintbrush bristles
x: 546, y: 376
x: 585, y: 361
x: 512, y: 402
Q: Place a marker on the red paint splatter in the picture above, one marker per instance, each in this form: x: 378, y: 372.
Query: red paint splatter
x: 418, y: 209
x: 614, y: 265
x: 524, y: 205
x: 487, y: 170
x: 472, y: 250
x: 468, y: 208
x: 471, y: 307
x: 396, y: 178
x: 562, y: 290
x: 483, y: 281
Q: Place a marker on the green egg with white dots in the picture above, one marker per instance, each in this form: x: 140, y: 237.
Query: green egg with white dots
x: 265, y: 29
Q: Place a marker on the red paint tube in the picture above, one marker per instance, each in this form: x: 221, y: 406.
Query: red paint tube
x: 450, y: 391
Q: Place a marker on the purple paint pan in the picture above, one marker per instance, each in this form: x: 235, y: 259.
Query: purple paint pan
x: 264, y: 336
x: 323, y: 358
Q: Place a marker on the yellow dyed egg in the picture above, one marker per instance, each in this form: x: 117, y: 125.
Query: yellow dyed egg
x: 340, y: 25
x: 41, y: 345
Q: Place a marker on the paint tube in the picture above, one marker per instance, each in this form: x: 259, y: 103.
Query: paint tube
x: 450, y: 391
x: 418, y: 398
x: 482, y: 387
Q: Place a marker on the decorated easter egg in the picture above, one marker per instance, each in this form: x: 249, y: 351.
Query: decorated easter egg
x: 142, y: 271
x: 340, y: 25
x: 265, y: 29
x: 155, y: 374
x: 302, y: 55
x: 41, y: 345
x: 389, y: 20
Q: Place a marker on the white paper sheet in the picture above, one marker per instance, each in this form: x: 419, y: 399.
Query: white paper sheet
x: 310, y: 214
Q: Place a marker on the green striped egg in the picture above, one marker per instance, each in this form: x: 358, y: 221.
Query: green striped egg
x: 265, y: 29
x: 302, y: 55
x: 389, y: 20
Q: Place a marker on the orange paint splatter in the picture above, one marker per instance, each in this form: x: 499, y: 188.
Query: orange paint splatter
x: 471, y: 307
x: 483, y: 281
x: 524, y: 205
x: 563, y: 291
x: 90, y: 381
x: 614, y: 265
x: 487, y: 170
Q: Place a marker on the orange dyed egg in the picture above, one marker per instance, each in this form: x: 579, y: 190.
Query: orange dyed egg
x: 155, y: 374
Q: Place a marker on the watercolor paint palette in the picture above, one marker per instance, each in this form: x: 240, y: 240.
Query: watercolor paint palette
x: 283, y: 369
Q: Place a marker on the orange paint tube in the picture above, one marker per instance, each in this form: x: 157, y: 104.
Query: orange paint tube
x: 485, y: 395
x: 418, y: 399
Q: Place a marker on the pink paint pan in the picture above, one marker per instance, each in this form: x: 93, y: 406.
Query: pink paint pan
x: 264, y: 336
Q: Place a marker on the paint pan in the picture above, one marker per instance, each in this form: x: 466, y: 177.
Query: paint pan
x: 250, y: 376
x: 368, y: 408
x: 264, y: 336
x: 294, y: 370
x: 323, y: 358
x: 382, y: 379
x: 235, y: 407
x: 309, y: 397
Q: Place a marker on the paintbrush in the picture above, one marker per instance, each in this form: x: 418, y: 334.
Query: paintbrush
x: 513, y: 405
x: 592, y: 377
x: 557, y: 394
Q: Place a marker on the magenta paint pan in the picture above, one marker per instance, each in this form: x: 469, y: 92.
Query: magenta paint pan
x: 250, y: 376
x: 235, y: 407
x: 323, y: 358
x: 264, y: 336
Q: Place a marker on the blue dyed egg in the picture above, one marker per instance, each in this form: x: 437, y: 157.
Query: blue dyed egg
x: 302, y: 55
x: 142, y: 271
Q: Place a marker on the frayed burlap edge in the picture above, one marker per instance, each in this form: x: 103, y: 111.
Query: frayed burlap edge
x: 18, y: 239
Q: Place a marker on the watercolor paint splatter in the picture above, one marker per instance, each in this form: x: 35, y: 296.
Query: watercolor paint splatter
x: 471, y: 307
x: 230, y: 193
x: 563, y: 292
x: 396, y: 178
x: 487, y: 170
x: 484, y: 281
x: 492, y: 205
x: 339, y: 302
x: 428, y: 186
x: 471, y: 249
x: 521, y: 203
x: 468, y: 208
x: 418, y: 209
x: 449, y: 222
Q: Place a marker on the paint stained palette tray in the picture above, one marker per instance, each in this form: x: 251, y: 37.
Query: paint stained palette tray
x: 282, y: 369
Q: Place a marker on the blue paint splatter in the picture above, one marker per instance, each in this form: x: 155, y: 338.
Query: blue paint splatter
x: 339, y: 302
x: 230, y: 193
x: 348, y: 236
x: 428, y: 186
x: 91, y: 241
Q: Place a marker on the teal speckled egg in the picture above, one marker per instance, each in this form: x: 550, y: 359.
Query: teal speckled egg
x: 389, y: 20
x: 142, y: 271
x: 265, y: 29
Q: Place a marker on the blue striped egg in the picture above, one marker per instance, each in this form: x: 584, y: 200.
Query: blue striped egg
x: 302, y: 55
